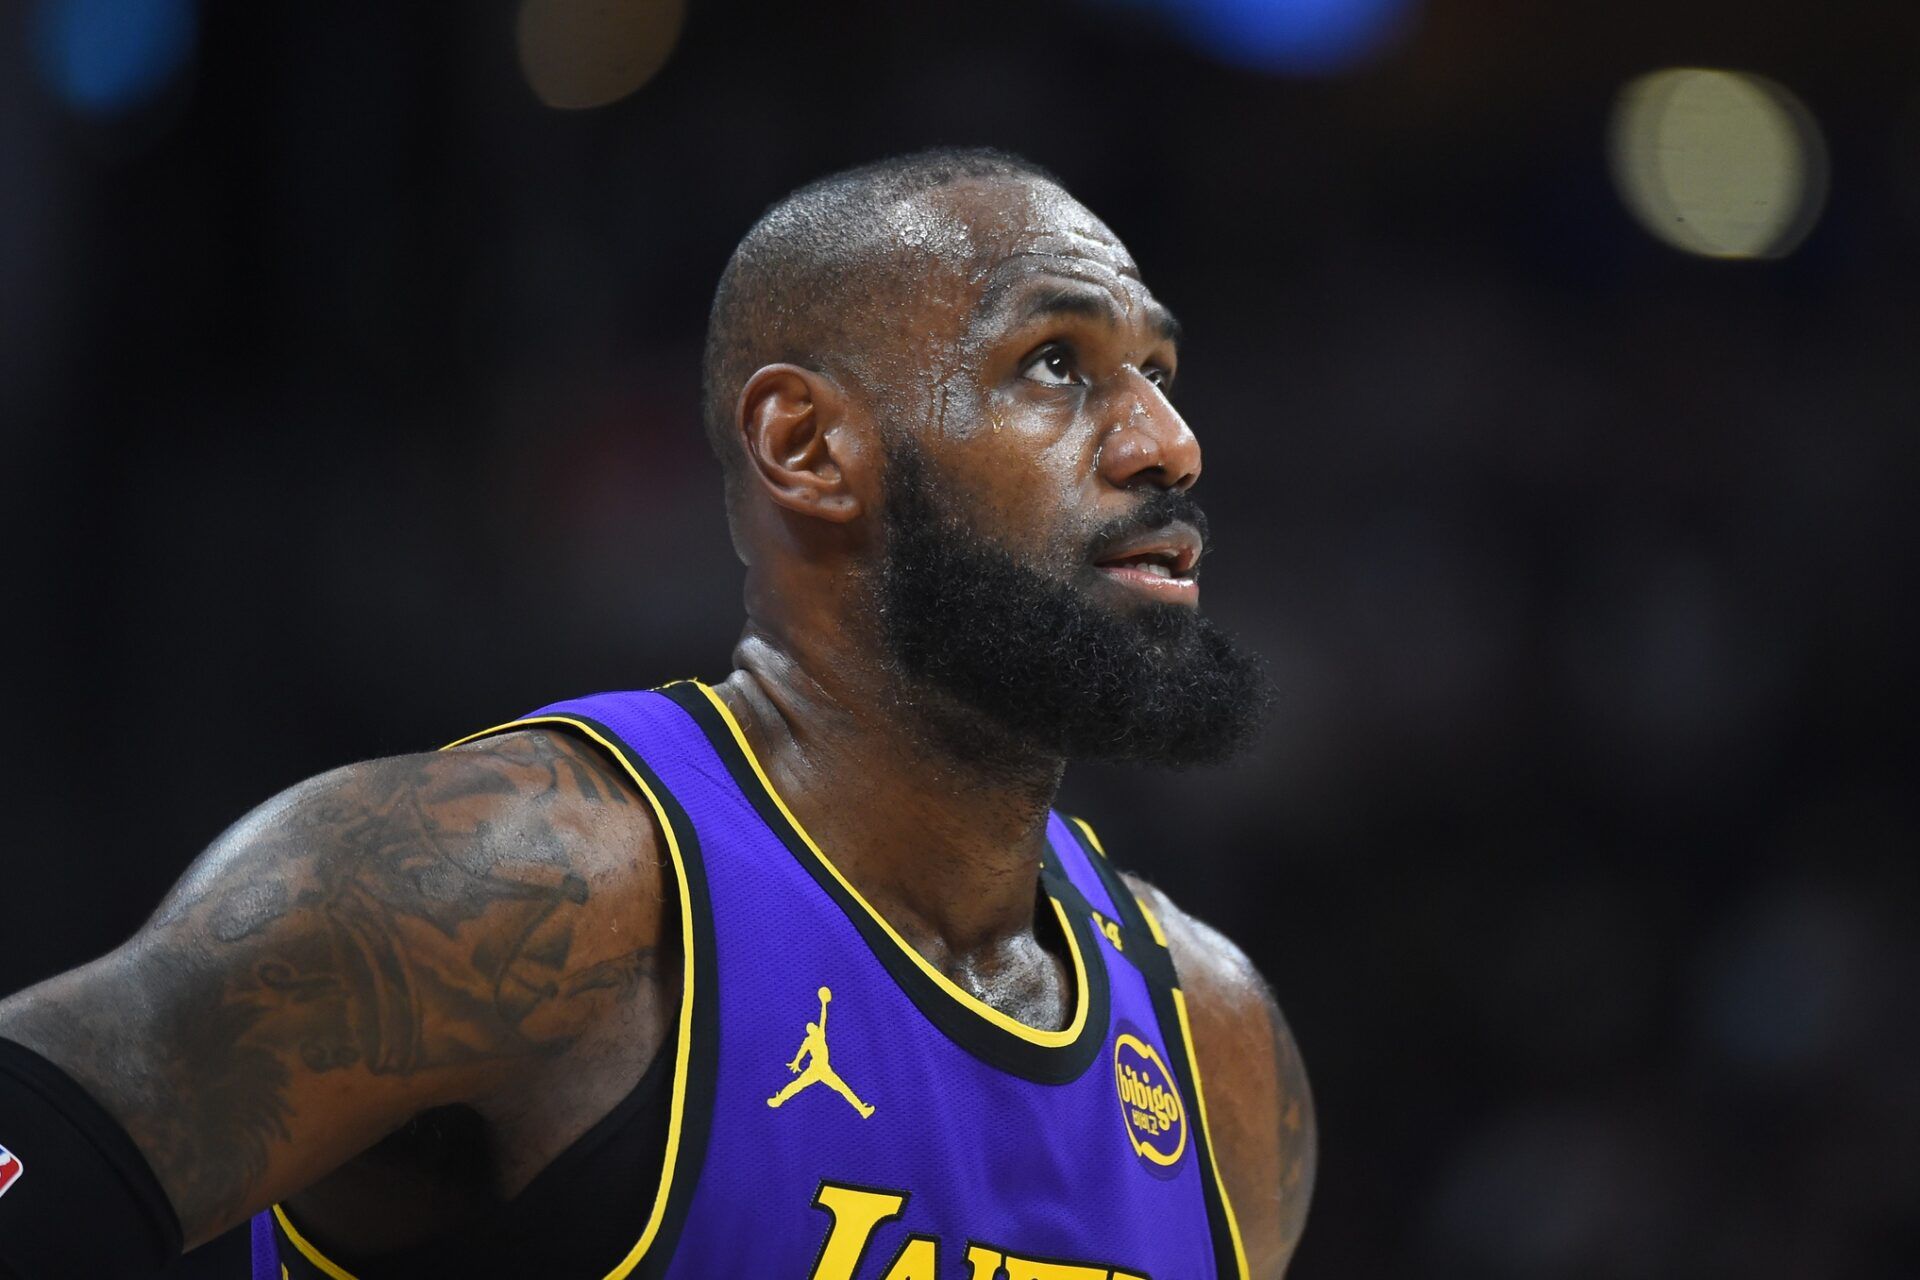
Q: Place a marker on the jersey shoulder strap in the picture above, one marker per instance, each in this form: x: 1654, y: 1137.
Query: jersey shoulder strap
x: 1144, y: 943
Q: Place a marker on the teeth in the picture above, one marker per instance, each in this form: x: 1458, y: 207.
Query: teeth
x: 1157, y: 569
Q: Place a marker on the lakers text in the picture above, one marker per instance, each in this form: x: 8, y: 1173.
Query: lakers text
x: 859, y: 1211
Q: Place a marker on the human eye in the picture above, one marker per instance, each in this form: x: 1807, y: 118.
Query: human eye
x: 1052, y: 365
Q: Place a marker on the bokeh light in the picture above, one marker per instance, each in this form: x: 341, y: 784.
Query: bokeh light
x: 105, y: 56
x: 1286, y: 37
x: 1724, y: 164
x: 1300, y: 37
x: 588, y: 53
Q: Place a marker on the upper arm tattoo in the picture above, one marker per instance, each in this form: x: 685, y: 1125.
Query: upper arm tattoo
x: 410, y: 926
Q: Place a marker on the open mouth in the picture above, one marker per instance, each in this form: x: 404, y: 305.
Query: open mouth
x: 1162, y: 562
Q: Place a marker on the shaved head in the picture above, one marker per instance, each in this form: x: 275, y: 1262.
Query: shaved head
x: 940, y: 391
x: 821, y: 278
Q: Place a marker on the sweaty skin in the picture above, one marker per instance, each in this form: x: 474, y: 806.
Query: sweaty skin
x: 395, y: 993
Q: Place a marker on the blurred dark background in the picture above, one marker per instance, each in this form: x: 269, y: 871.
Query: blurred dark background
x: 348, y: 403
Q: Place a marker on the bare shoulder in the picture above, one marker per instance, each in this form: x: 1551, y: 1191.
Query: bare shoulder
x: 1259, y: 1108
x: 537, y: 805
x: 559, y: 783
x: 384, y: 938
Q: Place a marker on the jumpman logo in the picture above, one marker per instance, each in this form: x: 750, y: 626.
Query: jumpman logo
x: 813, y: 1050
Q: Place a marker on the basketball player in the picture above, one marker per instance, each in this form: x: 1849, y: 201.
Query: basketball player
x: 525, y: 1006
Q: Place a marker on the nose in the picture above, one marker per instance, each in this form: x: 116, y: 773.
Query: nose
x: 1147, y: 441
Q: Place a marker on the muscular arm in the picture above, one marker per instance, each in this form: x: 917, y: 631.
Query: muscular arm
x: 1259, y: 1109
x: 386, y: 938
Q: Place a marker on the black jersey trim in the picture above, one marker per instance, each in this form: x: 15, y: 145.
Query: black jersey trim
x: 1147, y: 946
x: 697, y: 1065
x: 697, y: 1035
x: 1043, y: 1057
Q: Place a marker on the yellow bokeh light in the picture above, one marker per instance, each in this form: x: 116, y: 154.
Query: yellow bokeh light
x: 1720, y: 163
x: 588, y: 53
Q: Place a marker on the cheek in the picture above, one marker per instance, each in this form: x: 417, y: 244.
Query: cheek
x: 1043, y: 436
x: 1055, y: 494
x: 1033, y: 513
x: 1023, y: 478
x: 1019, y: 481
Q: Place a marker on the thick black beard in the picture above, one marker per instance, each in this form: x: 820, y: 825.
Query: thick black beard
x: 1043, y: 669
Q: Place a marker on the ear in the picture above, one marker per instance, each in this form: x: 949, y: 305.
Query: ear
x: 793, y: 424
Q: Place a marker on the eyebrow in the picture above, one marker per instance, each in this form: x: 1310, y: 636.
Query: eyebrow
x: 1090, y: 302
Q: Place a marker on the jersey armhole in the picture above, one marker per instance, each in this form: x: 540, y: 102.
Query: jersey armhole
x: 690, y: 1070
x: 695, y: 1063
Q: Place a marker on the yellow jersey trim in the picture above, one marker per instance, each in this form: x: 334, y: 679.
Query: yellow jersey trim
x: 682, y: 1049
x: 1092, y: 839
x: 1193, y: 1062
x: 1153, y: 925
x: 313, y: 1255
x: 1082, y: 990
x: 1200, y: 1094
x: 1146, y: 912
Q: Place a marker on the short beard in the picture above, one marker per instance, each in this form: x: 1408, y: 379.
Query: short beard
x: 1031, y: 665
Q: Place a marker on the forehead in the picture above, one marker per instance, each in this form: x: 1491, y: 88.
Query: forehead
x: 1006, y: 238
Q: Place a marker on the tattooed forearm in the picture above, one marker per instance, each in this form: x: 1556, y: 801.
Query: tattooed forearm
x: 372, y: 943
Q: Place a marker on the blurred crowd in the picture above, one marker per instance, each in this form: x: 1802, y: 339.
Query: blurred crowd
x: 349, y: 402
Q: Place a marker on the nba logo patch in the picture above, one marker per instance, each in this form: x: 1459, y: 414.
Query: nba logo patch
x: 10, y: 1169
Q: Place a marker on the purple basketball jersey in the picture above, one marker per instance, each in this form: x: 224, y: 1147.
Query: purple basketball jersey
x: 840, y: 1110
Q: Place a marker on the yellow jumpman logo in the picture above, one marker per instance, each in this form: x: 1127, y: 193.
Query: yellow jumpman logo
x: 819, y: 1070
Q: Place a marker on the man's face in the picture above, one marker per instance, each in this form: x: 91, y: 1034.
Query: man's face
x: 1037, y: 388
x: 1042, y: 550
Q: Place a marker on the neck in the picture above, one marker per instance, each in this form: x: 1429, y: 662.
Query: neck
x: 945, y: 840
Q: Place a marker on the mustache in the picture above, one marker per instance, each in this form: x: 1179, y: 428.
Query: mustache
x: 1157, y: 510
